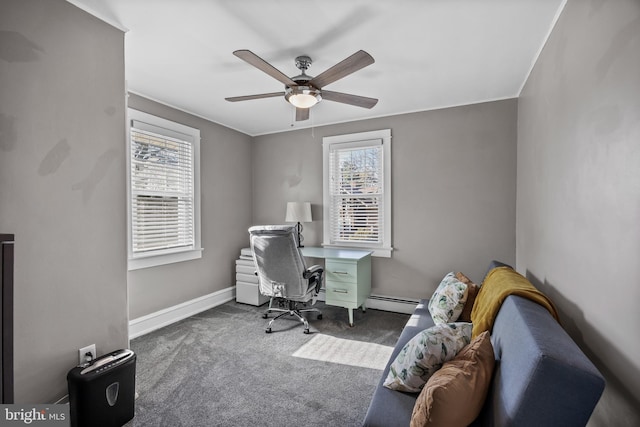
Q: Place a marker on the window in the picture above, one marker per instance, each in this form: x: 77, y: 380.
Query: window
x: 357, y: 191
x: 163, y: 184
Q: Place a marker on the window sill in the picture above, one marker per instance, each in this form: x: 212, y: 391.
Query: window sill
x: 155, y: 260
x: 377, y: 252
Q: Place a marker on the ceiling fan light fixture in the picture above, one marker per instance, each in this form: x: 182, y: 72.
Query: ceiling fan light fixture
x: 303, y: 96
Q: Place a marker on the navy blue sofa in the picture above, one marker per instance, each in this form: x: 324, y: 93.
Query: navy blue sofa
x: 541, y: 377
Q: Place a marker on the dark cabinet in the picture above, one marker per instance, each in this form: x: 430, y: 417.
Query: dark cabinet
x: 6, y: 305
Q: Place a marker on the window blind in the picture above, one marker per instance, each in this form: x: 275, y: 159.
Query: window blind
x: 356, y: 192
x: 162, y: 190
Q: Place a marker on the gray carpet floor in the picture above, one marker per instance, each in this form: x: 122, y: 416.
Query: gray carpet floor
x: 220, y: 368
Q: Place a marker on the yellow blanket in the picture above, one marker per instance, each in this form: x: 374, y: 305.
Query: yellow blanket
x: 498, y: 285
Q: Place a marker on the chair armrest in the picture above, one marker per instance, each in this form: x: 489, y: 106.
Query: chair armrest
x: 314, y: 274
x: 313, y: 270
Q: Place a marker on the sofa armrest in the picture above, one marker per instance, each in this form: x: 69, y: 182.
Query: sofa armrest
x: 542, y: 377
x: 391, y: 408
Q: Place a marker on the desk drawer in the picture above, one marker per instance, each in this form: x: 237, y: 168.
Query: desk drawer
x: 339, y: 291
x: 338, y: 271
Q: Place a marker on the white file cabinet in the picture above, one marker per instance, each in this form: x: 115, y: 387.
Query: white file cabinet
x: 247, y: 291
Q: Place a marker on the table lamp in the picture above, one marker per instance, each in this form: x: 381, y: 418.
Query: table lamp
x: 298, y: 212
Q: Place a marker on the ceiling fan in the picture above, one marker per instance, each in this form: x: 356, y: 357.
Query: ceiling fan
x: 304, y: 91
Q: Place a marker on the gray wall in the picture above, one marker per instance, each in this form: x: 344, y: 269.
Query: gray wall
x: 62, y: 186
x: 226, y: 215
x: 453, y: 184
x: 578, y: 208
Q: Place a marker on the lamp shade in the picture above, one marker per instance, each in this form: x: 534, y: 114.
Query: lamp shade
x: 298, y: 212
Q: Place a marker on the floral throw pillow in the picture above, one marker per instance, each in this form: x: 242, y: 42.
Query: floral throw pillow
x: 447, y: 302
x: 425, y: 353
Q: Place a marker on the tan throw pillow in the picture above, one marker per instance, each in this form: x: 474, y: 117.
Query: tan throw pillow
x: 455, y: 394
x: 472, y: 291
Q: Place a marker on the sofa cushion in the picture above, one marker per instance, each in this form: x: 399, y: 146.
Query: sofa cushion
x: 465, y: 379
x: 425, y: 353
x: 472, y: 291
x: 448, y: 300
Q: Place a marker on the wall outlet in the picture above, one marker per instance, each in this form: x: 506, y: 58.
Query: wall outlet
x: 82, y: 354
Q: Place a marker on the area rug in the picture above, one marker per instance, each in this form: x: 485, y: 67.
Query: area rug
x: 326, y: 348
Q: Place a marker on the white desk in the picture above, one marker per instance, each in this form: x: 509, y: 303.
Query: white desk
x: 347, y: 276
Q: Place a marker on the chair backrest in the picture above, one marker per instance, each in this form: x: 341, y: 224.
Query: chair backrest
x: 278, y: 261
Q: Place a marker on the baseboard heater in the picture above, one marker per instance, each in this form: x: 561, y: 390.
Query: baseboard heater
x: 381, y: 302
x: 393, y: 299
x: 399, y: 305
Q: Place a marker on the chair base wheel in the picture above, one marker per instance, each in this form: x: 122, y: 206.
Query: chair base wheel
x: 264, y: 316
x: 306, y: 331
x: 268, y: 330
x: 319, y: 316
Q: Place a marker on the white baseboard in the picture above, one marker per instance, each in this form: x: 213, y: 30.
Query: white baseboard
x: 380, y: 302
x: 145, y: 324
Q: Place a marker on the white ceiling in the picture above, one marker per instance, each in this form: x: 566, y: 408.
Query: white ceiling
x: 429, y: 53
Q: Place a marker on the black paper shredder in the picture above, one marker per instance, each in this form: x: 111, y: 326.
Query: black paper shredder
x: 102, y: 393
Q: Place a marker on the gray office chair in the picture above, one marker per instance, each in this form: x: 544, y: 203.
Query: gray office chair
x: 283, y: 275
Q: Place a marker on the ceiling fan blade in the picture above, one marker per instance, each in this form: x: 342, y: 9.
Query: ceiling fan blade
x: 250, y: 97
x: 355, y: 62
x: 302, y: 114
x: 261, y: 64
x: 345, y: 98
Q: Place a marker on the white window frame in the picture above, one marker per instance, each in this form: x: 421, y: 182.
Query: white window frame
x: 171, y: 129
x: 384, y: 248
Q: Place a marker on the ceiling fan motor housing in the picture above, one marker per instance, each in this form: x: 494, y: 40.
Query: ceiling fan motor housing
x: 304, y: 95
